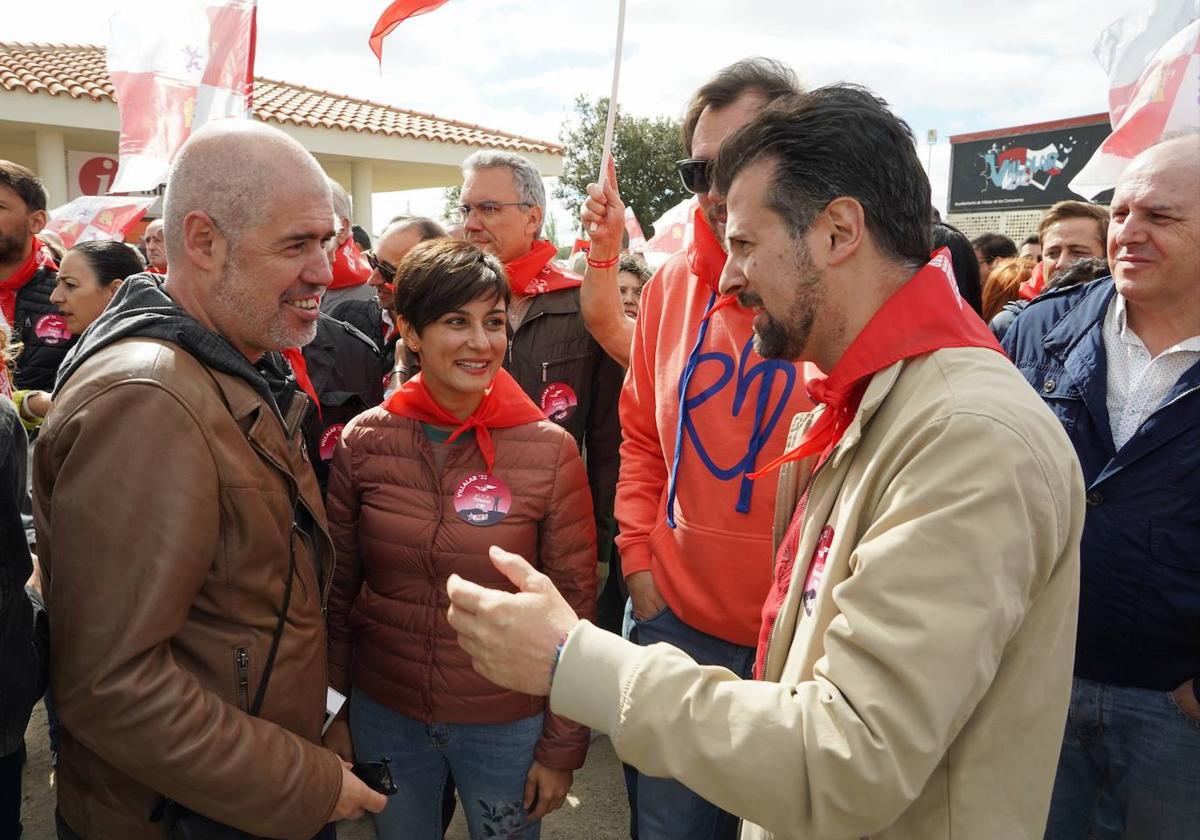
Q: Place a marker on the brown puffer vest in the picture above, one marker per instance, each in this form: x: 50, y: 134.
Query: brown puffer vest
x: 399, y: 538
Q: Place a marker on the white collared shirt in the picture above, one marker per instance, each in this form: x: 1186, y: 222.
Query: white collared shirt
x: 1138, y: 384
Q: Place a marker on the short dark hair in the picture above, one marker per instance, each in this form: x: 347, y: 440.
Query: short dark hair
x: 766, y: 76
x: 361, y: 238
x: 1072, y: 209
x: 109, y: 260
x: 994, y: 246
x: 1032, y: 239
x: 634, y: 266
x: 838, y: 141
x: 25, y: 183
x: 962, y: 258
x: 441, y: 275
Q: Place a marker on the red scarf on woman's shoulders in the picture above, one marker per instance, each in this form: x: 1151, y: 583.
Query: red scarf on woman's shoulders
x: 504, y: 405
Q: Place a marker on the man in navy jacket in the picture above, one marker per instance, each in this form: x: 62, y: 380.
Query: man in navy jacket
x: 1118, y: 360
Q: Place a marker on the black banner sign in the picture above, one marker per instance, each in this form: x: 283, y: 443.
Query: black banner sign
x: 1022, y: 171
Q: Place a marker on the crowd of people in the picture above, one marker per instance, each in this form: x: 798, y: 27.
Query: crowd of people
x: 841, y: 524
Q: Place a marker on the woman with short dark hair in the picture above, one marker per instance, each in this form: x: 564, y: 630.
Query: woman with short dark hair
x: 457, y: 460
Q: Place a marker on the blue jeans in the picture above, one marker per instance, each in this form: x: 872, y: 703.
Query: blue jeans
x: 666, y: 809
x: 1129, y: 767
x: 489, y: 763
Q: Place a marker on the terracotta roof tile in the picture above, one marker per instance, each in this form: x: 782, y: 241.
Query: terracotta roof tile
x: 78, y: 71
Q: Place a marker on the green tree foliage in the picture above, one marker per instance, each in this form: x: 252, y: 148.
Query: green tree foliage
x: 644, y: 149
x: 453, y: 198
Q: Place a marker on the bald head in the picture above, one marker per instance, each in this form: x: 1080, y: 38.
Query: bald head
x: 1154, y: 235
x: 234, y: 171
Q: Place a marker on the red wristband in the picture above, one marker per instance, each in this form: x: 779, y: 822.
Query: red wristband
x: 603, y: 263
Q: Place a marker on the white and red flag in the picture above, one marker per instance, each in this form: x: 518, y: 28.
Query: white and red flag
x: 637, y: 239
x: 1159, y: 49
x: 394, y: 15
x: 97, y: 217
x: 176, y: 66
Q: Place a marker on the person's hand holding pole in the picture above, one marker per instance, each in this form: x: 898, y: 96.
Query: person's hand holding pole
x: 603, y: 215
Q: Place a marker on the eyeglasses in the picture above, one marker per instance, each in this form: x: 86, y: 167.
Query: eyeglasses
x: 695, y: 174
x: 487, y: 209
x: 386, y: 271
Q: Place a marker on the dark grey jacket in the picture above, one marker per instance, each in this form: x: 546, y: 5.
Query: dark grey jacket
x: 23, y: 646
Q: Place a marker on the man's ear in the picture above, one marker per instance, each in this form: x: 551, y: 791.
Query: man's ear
x: 37, y: 221
x: 845, y: 228
x: 203, y: 243
x: 536, y: 215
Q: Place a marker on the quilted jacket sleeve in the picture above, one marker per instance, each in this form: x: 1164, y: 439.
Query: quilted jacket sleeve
x: 568, y: 558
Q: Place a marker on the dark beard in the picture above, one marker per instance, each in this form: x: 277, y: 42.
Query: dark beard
x: 13, y: 249
x: 783, y: 341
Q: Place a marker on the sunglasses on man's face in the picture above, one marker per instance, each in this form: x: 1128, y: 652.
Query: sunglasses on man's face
x: 386, y: 271
x: 695, y: 174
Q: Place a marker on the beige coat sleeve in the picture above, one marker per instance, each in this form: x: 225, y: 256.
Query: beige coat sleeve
x: 962, y: 537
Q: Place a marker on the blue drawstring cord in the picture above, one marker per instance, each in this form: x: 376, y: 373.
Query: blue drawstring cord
x: 684, y: 380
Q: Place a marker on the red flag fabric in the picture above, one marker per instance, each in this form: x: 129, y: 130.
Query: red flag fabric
x: 503, y: 406
x: 924, y: 315
x: 637, y: 239
x: 1165, y: 100
x: 97, y: 217
x: 393, y: 16
x: 176, y: 66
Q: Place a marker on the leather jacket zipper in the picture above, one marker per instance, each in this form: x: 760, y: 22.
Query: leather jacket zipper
x: 241, y: 659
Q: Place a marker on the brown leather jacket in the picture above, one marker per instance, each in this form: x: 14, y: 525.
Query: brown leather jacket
x: 164, y: 512
x: 399, y: 538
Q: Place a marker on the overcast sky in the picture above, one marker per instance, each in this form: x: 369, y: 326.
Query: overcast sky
x: 517, y: 65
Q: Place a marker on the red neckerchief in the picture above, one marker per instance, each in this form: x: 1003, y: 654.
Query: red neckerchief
x: 705, y: 256
x: 503, y: 406
x: 350, y: 267
x: 39, y: 257
x: 300, y: 368
x: 532, y: 274
x: 925, y: 314
x: 151, y: 269
x: 1035, y: 285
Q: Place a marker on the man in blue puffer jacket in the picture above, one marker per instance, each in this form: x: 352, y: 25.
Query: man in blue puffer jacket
x: 1118, y: 360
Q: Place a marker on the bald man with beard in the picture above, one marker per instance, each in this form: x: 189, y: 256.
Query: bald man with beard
x: 181, y: 532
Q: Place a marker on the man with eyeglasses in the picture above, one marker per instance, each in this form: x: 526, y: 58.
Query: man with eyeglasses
x: 695, y: 532
x: 156, y: 248
x: 551, y: 354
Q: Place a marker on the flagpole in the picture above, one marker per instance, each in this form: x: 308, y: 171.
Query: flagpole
x: 612, y: 97
x: 612, y: 102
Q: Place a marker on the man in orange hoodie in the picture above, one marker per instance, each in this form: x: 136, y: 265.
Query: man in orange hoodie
x: 695, y: 531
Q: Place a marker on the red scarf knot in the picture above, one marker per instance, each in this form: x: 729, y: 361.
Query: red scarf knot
x: 535, y: 274
x: 504, y: 405
x: 923, y: 315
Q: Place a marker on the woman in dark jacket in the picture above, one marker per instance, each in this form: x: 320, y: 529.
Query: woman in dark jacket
x: 457, y: 460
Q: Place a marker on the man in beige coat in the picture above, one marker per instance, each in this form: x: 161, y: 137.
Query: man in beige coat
x: 916, y: 650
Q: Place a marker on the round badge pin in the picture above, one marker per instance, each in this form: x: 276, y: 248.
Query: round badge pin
x: 329, y: 439
x: 482, y: 499
x: 559, y: 401
x: 52, y: 329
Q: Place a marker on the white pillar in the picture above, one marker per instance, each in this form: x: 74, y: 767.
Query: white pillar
x: 361, y: 192
x: 51, y: 149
